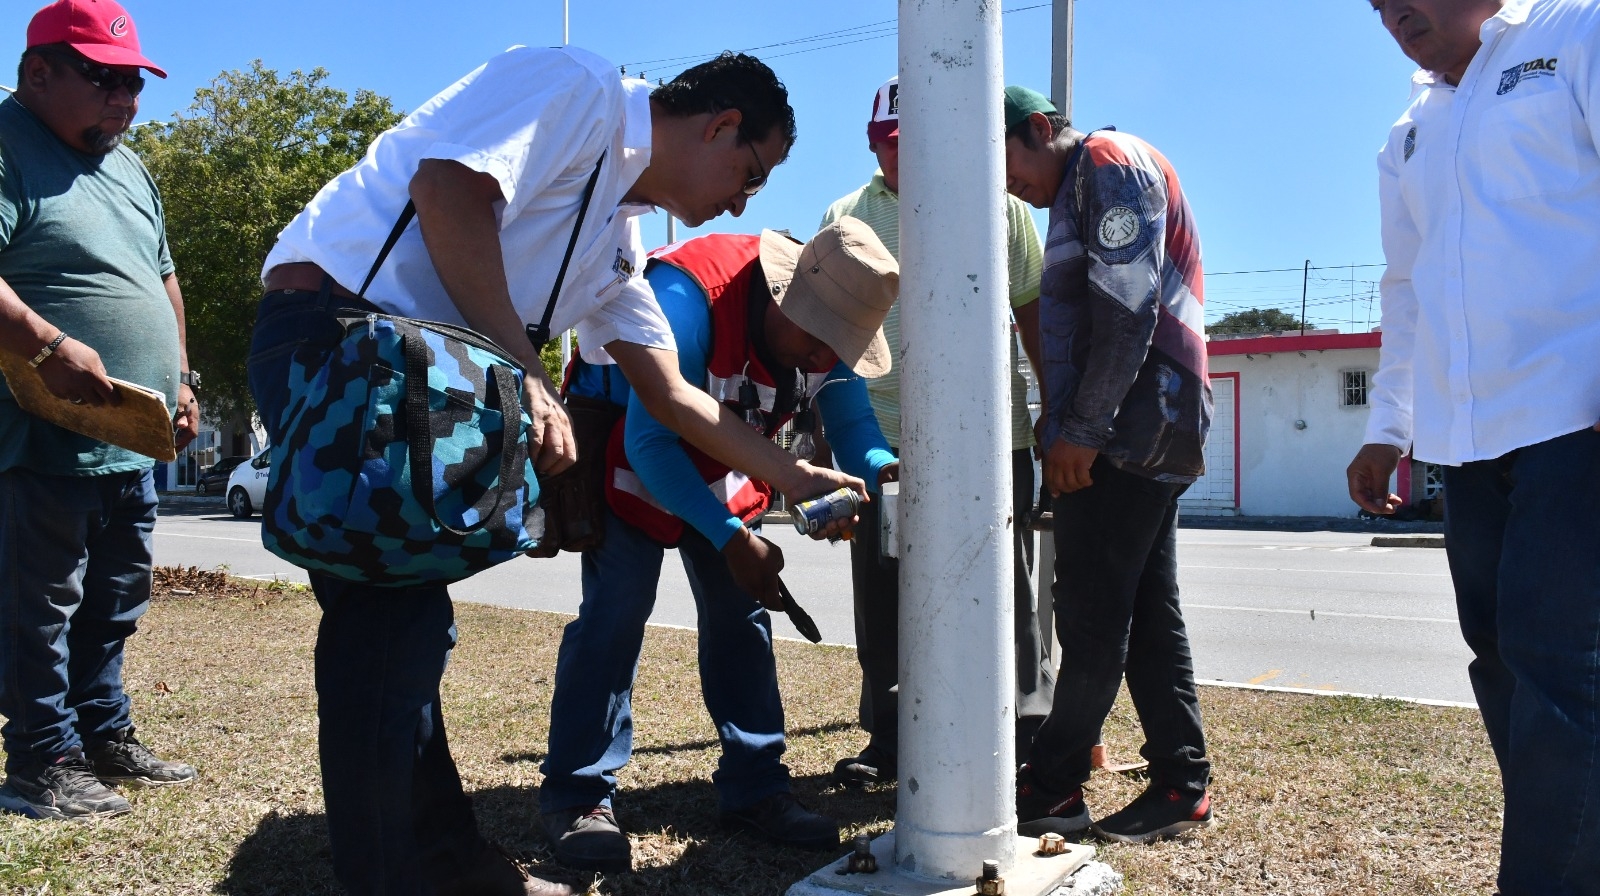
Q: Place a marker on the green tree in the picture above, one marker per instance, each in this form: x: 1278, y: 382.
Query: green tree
x: 1255, y: 320
x: 233, y: 169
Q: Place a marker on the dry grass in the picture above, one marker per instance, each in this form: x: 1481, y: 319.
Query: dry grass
x: 1314, y: 795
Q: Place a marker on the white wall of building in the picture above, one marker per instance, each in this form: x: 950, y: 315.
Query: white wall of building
x: 1294, y: 436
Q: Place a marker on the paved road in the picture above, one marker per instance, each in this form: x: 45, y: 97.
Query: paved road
x: 1320, y: 610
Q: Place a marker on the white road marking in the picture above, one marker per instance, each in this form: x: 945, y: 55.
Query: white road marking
x: 1329, y: 572
x: 1309, y: 613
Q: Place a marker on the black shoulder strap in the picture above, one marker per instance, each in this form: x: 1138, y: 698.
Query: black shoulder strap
x: 540, y: 334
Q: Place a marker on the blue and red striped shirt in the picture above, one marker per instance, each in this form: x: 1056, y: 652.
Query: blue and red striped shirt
x: 1122, y: 313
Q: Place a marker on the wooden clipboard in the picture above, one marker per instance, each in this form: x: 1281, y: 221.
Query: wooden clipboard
x: 140, y: 423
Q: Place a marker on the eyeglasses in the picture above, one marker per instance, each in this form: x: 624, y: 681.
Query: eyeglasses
x: 104, y: 76
x: 754, y: 184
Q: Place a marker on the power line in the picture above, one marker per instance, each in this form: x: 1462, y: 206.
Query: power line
x: 841, y: 37
x: 1335, y: 267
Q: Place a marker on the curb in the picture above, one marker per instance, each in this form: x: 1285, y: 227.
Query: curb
x: 191, y: 500
x: 1408, y: 541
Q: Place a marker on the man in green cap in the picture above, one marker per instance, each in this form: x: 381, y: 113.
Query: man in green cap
x: 1128, y: 403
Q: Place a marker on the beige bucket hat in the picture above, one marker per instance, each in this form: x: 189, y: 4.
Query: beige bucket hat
x: 838, y: 287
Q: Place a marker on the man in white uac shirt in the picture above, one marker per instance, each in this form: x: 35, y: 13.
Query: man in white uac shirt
x: 1490, y: 189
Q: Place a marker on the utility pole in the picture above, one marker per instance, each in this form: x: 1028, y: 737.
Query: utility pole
x: 1061, y: 57
x: 956, y: 816
x: 1305, y: 276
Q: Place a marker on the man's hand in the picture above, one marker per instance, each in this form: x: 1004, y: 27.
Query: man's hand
x: 1066, y: 467
x: 186, y: 422
x: 889, y: 473
x: 802, y: 482
x: 74, y: 372
x: 551, y: 433
x: 755, y: 564
x: 1368, y: 478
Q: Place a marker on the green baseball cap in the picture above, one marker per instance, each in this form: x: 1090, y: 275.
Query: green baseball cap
x: 1022, y: 102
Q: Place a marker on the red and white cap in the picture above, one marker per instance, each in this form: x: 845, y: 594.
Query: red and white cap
x: 885, y: 120
x: 99, y: 29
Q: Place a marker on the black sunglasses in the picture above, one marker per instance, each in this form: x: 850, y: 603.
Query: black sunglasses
x: 103, y: 76
x: 754, y: 184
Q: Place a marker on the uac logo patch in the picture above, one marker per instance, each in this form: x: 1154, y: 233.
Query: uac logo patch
x: 1411, y: 142
x: 1536, y: 68
x: 622, y: 267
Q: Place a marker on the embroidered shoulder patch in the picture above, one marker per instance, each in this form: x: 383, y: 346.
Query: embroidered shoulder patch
x: 1118, y: 227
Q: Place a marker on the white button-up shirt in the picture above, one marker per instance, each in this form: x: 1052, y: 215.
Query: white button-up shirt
x: 536, y: 120
x: 1490, y: 193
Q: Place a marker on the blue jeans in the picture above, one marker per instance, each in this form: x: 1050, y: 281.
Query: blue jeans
x: 1117, y: 611
x: 1523, y: 537
x: 399, y: 821
x: 591, y: 714
x: 74, y: 580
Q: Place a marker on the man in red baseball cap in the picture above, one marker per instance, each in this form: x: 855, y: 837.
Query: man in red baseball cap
x: 87, y: 292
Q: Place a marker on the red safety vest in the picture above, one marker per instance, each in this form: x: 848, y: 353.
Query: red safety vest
x: 722, y: 265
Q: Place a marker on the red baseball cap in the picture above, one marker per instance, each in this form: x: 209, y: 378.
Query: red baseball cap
x: 99, y: 29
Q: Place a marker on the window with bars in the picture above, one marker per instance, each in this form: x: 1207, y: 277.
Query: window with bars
x: 1353, y: 391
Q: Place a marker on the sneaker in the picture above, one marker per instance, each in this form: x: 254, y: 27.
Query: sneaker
x: 65, y: 788
x: 1041, y: 810
x: 873, y: 766
x: 1157, y: 814
x: 783, y: 820
x: 495, y: 873
x: 124, y: 760
x: 587, y: 838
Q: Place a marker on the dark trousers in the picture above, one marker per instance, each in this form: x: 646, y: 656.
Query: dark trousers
x: 1523, y: 536
x: 876, y: 583
x: 398, y: 819
x: 74, y: 580
x: 1116, y: 604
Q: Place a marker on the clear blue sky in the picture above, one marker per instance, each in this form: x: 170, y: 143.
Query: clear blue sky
x: 1271, y: 111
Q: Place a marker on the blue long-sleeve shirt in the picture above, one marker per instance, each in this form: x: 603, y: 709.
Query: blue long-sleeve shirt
x: 655, y: 452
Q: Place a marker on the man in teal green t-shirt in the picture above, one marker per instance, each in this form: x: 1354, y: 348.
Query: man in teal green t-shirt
x: 87, y: 291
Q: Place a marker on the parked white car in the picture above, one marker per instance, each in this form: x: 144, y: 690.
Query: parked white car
x: 247, y: 487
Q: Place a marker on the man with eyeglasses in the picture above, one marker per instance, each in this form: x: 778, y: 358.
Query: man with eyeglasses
x: 498, y: 166
x: 87, y: 291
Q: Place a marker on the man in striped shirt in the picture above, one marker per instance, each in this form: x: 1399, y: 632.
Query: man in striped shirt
x: 875, y: 579
x: 1128, y: 404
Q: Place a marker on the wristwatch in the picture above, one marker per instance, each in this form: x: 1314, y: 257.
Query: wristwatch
x: 190, y: 378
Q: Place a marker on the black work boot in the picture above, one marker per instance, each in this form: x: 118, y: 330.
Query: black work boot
x: 783, y: 820
x: 588, y: 838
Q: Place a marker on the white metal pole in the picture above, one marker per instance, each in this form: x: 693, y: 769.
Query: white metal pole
x: 957, y: 681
